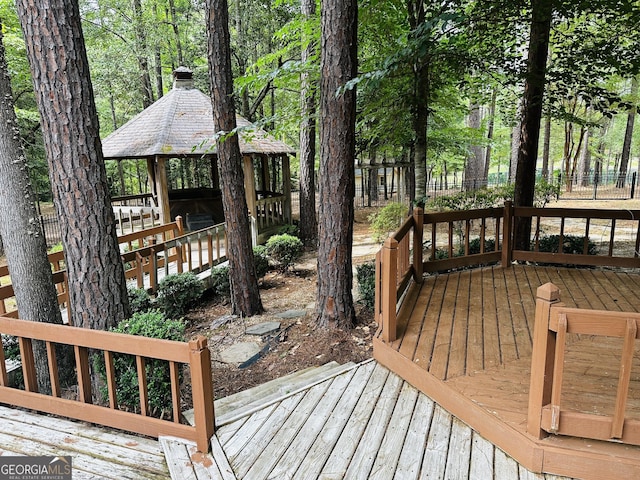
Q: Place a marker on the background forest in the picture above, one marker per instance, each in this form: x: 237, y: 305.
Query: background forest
x: 461, y: 61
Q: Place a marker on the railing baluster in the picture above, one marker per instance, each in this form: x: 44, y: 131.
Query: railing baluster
x: 200, y: 369
x: 174, y: 375
x: 53, y: 369
x: 613, y: 231
x: 4, y: 379
x: 558, y: 373
x: 28, y: 364
x: 626, y: 363
x: 142, y: 385
x: 82, y: 370
x: 111, y: 379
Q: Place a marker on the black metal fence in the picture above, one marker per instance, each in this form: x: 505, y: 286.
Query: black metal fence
x: 51, y: 228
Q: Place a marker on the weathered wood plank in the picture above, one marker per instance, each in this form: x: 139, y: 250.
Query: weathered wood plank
x: 362, y: 461
x: 178, y: 459
x: 505, y: 467
x: 475, y: 330
x: 459, y: 455
x: 435, y: 455
x: 440, y: 357
x: 389, y: 451
x: 338, y: 461
x: 316, y: 420
x: 326, y: 440
x: 491, y: 344
x: 409, y: 462
x: 424, y: 349
x: 481, y: 462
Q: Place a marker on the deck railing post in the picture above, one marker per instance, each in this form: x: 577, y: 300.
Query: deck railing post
x: 418, y: 232
x: 389, y: 285
x: 507, y: 245
x: 542, y: 358
x: 202, y: 392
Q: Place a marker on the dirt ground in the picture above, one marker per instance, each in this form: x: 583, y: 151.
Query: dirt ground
x: 299, y: 343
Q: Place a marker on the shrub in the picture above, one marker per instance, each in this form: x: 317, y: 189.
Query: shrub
x: 289, y: 229
x: 139, y: 299
x: 10, y: 346
x: 474, y: 246
x: 261, y: 260
x: 387, y: 220
x: 177, y: 292
x: 220, y: 283
x: 153, y: 324
x: 366, y: 275
x: 570, y: 244
x: 284, y: 250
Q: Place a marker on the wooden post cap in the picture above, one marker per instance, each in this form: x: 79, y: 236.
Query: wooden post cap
x: 548, y: 292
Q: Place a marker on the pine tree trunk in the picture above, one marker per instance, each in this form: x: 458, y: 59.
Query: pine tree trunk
x: 60, y: 71
x: 24, y: 240
x: 490, y: 125
x: 245, y: 296
x: 474, y: 166
x: 628, y: 136
x: 308, y: 221
x: 546, y: 148
x: 334, y: 303
x: 532, y: 114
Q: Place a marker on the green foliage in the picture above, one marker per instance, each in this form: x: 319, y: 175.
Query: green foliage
x: 11, y: 347
x: 55, y: 248
x: 573, y: 244
x: 387, y: 220
x: 152, y: 324
x: 139, y: 299
x: 220, y: 283
x: 474, y: 246
x: 177, y: 292
x: 261, y: 260
x: 545, y: 192
x: 366, y: 275
x: 289, y: 229
x: 284, y: 250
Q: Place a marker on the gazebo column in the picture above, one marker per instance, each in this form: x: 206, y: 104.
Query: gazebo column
x: 286, y: 187
x: 162, y: 189
x: 250, y: 194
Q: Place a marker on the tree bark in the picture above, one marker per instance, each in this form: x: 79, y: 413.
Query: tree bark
x: 25, y: 244
x: 141, y: 54
x: 474, y: 167
x: 334, y: 303
x: 546, y: 148
x: 490, y: 125
x: 532, y: 113
x: 628, y: 136
x: 308, y: 221
x: 245, y: 296
x: 60, y: 71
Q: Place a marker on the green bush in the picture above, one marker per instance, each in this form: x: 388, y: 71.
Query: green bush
x: 289, y: 229
x: 570, y: 244
x: 10, y: 346
x: 177, y: 292
x: 387, y: 220
x: 153, y: 324
x: 366, y: 275
x: 474, y: 246
x: 139, y: 299
x: 261, y: 260
x: 220, y: 283
x: 284, y: 250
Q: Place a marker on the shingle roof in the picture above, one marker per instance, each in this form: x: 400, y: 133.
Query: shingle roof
x: 181, y: 123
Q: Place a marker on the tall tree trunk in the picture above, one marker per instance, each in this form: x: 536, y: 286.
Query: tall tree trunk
x: 334, y: 303
x: 176, y: 32
x: 373, y: 174
x: 530, y: 132
x: 245, y: 296
x: 308, y: 221
x: 628, y: 136
x: 585, y: 159
x: 546, y: 148
x: 141, y: 54
x: 492, y: 118
x: 24, y: 241
x: 474, y: 166
x: 97, y: 287
x: 420, y: 107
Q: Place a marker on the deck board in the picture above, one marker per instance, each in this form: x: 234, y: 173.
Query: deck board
x: 499, y: 305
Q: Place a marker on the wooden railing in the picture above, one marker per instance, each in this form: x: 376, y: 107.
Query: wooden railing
x: 397, y: 263
x: 553, y: 322
x: 613, y: 225
x: 144, y: 254
x: 449, y: 237
x: 194, y: 354
x: 271, y: 212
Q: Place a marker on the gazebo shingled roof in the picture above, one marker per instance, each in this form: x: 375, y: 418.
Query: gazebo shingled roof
x: 181, y: 124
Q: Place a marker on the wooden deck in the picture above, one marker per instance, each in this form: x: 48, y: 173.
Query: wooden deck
x: 97, y: 453
x: 363, y: 423
x: 465, y: 339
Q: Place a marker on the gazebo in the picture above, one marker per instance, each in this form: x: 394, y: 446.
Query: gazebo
x: 179, y: 126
